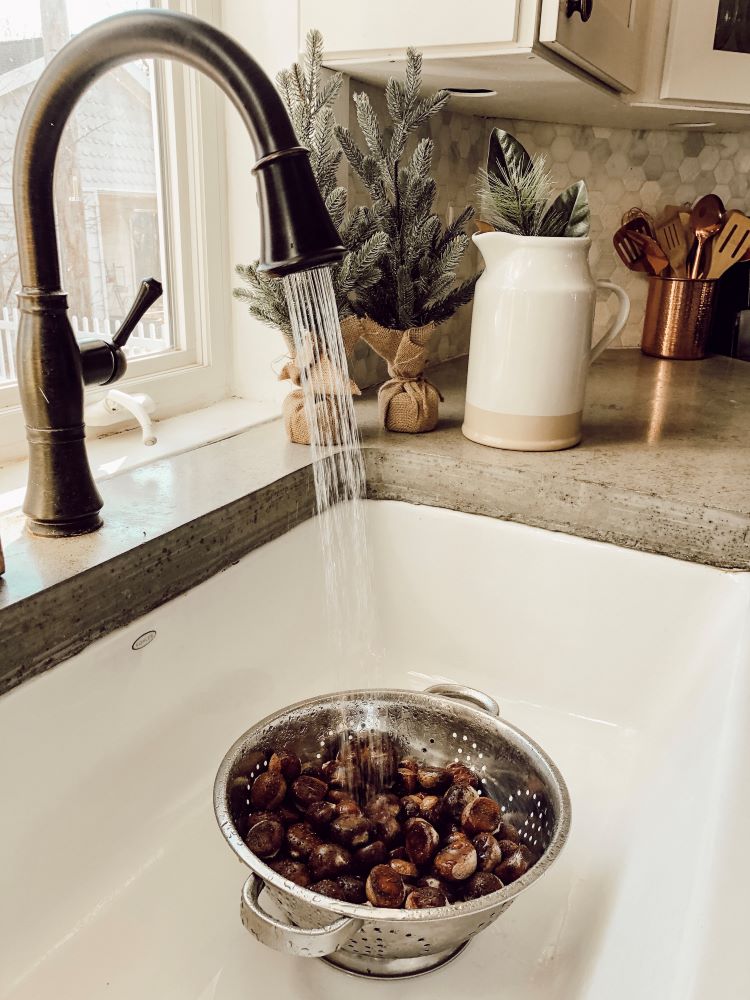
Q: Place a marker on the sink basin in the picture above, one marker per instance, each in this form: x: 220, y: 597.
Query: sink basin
x: 631, y: 670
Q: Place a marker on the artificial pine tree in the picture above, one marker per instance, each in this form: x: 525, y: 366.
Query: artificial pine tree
x: 309, y: 102
x: 417, y: 287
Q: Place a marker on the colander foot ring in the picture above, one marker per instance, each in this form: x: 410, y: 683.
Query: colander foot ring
x: 392, y: 968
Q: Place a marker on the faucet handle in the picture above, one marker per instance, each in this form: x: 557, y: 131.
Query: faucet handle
x: 146, y: 295
x: 103, y: 361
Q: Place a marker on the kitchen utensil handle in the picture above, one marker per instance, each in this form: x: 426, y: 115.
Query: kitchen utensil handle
x: 462, y: 693
x: 619, y: 321
x: 314, y: 943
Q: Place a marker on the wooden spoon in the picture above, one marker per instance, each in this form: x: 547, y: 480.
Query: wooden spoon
x: 706, y: 217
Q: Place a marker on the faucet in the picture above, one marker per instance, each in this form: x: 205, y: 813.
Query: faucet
x: 296, y: 234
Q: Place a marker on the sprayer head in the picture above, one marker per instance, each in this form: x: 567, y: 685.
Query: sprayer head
x: 296, y: 230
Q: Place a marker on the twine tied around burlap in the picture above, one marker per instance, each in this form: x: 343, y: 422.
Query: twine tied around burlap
x: 326, y: 384
x: 407, y: 401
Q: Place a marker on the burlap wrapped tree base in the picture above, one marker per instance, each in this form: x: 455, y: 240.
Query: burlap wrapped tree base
x: 326, y: 383
x: 408, y: 401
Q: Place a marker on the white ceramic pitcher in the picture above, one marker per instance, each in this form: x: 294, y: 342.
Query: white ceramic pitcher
x: 531, y: 341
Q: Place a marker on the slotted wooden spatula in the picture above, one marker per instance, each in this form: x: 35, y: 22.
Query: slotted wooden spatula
x: 670, y: 235
x: 729, y: 245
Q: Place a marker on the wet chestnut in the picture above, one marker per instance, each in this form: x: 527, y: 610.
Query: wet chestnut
x: 385, y: 887
x: 348, y: 807
x: 506, y: 831
x: 320, y: 814
x: 334, y: 772
x: 512, y: 868
x: 421, y: 840
x: 311, y: 769
x: 407, y: 781
x: 352, y: 889
x: 351, y: 830
x: 482, y: 815
x: 307, y: 790
x: 288, y: 814
x: 398, y: 852
x: 385, y: 804
x: 507, y: 848
x: 411, y: 805
x: 268, y: 790
x: 406, y: 869
x: 481, y: 884
x: 489, y: 851
x: 295, y: 871
x: 433, y: 779
x: 432, y: 809
x: 425, y: 897
x: 388, y: 829
x: 457, y: 860
x: 300, y: 841
x: 265, y: 838
x: 370, y: 855
x: 339, y: 795
x: 288, y: 764
x: 328, y: 861
x: 463, y: 775
x: 408, y: 764
x: 329, y: 887
x: 456, y: 799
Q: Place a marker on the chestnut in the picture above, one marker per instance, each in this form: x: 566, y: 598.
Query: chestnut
x: 328, y: 861
x: 384, y: 804
x: 482, y: 815
x: 388, y: 829
x: 370, y: 855
x: 512, y: 868
x: 433, y: 779
x: 458, y: 859
x: 348, y: 807
x: 351, y: 830
x: 456, y: 799
x: 489, y: 851
x: 432, y: 809
x: 407, y: 781
x: 329, y: 887
x: 421, y: 840
x: 338, y: 795
x: 307, y: 790
x: 334, y: 772
x: 268, y: 790
x: 288, y: 814
x: 481, y: 884
x: 385, y: 887
x: 433, y: 882
x: 508, y: 848
x: 300, y: 841
x: 406, y: 869
x: 411, y: 805
x: 310, y: 769
x: 408, y: 764
x: 288, y: 764
x: 506, y: 831
x: 320, y: 814
x: 352, y: 889
x: 463, y: 775
x: 295, y: 871
x: 398, y: 852
x: 425, y: 897
x: 265, y: 838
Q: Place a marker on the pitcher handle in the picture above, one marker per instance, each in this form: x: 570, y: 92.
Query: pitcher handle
x: 619, y: 321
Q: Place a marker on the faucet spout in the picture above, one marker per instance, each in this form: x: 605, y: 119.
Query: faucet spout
x: 296, y: 234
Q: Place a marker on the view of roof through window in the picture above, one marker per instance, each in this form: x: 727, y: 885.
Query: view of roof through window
x: 106, y: 180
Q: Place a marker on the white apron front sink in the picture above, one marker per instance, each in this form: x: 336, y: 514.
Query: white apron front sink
x: 631, y: 670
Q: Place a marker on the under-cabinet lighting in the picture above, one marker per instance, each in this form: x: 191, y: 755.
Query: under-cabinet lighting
x: 470, y: 92
x: 693, y: 125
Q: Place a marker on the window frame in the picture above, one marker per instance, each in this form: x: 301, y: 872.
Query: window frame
x: 192, y: 213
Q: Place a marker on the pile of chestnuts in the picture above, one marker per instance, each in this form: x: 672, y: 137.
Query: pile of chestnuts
x: 431, y: 838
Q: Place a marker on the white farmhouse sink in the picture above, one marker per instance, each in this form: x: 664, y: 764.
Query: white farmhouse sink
x: 631, y: 670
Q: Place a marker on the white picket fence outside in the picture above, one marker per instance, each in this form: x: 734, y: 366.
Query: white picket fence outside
x: 147, y: 338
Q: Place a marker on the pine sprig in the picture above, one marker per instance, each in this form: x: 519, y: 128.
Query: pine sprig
x: 309, y: 102
x: 417, y: 281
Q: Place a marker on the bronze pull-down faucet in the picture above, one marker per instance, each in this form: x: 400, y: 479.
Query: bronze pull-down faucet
x: 296, y: 234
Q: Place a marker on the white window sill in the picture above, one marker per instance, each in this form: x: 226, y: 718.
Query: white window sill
x: 125, y: 450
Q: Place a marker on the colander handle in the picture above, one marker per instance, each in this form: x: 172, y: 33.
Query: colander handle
x: 462, y: 693
x: 315, y: 943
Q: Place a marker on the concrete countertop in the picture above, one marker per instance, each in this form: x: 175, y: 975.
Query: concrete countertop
x: 664, y: 467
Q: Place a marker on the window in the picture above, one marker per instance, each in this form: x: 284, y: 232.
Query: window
x: 134, y: 162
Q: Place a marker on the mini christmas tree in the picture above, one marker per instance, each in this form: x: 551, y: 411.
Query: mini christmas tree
x: 417, y: 282
x: 309, y: 102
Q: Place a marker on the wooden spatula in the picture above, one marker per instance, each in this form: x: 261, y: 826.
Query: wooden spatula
x: 630, y: 250
x: 728, y: 246
x: 670, y: 235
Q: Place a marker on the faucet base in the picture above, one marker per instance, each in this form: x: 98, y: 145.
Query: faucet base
x: 64, y: 529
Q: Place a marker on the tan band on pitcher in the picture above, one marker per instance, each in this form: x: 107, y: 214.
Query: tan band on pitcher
x: 510, y: 430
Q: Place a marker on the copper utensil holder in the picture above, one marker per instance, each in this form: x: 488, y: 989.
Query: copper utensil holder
x: 678, y: 318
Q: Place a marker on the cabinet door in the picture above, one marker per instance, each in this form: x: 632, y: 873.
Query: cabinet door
x: 601, y: 36
x: 708, y: 52
x: 361, y: 27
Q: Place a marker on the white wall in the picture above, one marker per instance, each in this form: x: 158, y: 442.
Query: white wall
x: 268, y: 29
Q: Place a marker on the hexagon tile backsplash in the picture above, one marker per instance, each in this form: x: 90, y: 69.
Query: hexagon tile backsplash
x: 621, y: 168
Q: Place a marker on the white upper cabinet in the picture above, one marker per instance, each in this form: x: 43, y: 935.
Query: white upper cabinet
x: 603, y: 37
x: 708, y: 52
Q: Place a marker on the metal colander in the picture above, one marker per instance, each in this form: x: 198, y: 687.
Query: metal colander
x: 445, y: 723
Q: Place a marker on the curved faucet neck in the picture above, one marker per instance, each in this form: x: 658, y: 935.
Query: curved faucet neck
x: 120, y: 39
